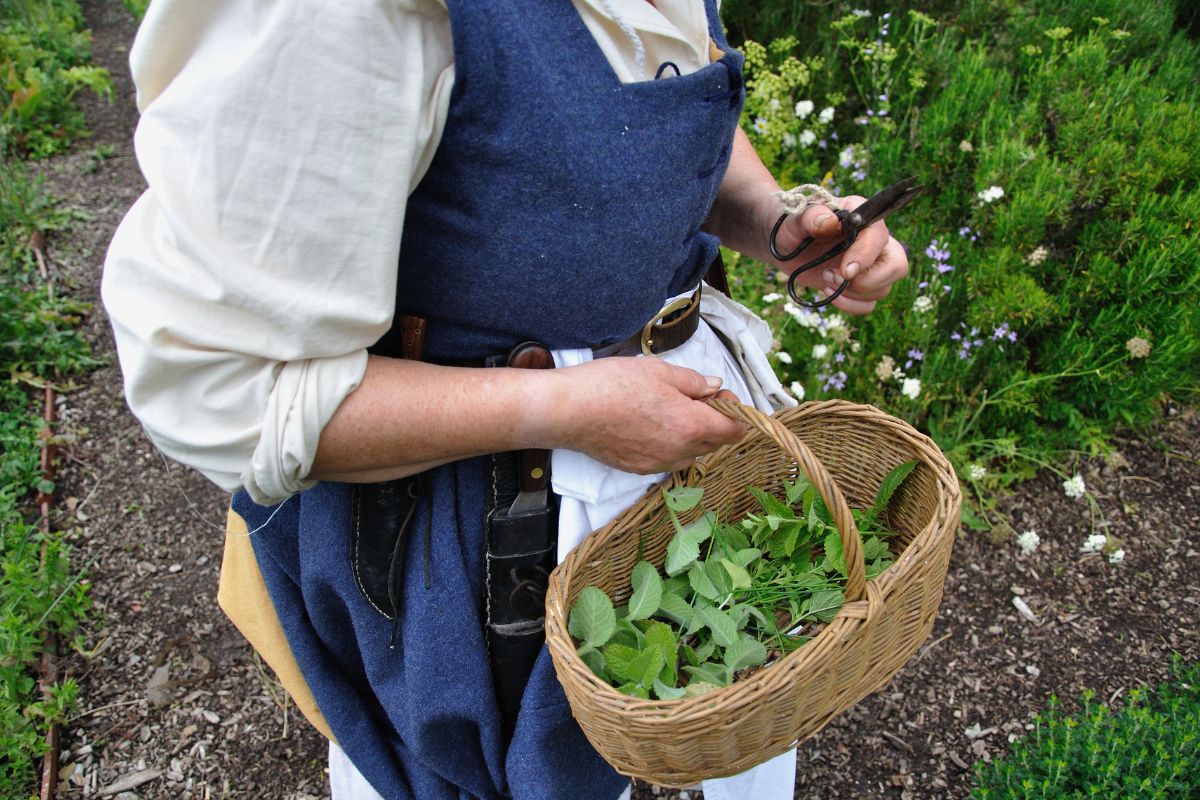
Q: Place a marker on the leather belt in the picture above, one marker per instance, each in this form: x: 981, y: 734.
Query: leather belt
x: 668, y: 329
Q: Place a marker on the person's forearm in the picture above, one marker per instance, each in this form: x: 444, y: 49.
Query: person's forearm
x: 407, y: 416
x: 745, y: 203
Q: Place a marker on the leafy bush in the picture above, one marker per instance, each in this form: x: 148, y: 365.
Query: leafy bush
x: 38, y: 593
x: 1148, y: 748
x: 44, y: 53
x: 1053, y: 292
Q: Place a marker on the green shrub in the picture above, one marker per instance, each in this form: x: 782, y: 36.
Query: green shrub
x: 44, y: 54
x: 1013, y: 338
x: 1150, y: 748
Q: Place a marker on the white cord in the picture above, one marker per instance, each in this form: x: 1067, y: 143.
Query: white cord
x: 639, y: 49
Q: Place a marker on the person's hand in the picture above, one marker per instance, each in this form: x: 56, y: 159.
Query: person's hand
x: 872, y: 264
x: 639, y: 415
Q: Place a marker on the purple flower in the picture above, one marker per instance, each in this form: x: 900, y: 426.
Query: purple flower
x: 840, y: 357
x: 1012, y: 336
x: 943, y: 268
x: 965, y: 230
x: 916, y: 355
x: 1000, y: 332
x: 859, y: 175
x: 922, y: 284
x: 883, y: 98
x: 956, y: 336
x: 947, y: 288
x: 822, y: 144
x: 834, y: 136
x: 883, y: 112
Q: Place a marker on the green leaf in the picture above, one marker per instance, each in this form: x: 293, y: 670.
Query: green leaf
x: 675, y: 608
x: 891, y: 483
x: 771, y: 504
x: 733, y: 536
x: 743, y: 611
x: 682, y: 553
x: 707, y: 672
x: 724, y: 630
x: 646, y: 666
x: 697, y: 688
x: 795, y: 491
x: 719, y: 577
x: 747, y: 556
x: 700, y: 528
x: 683, y: 498
x: 701, y: 582
x: 677, y: 585
x: 704, y: 652
x: 874, y: 547
x: 824, y: 604
x: 791, y: 534
x: 834, y: 553
x: 627, y: 634
x: 592, y: 618
x: 665, y: 692
x: 618, y: 659
x: 647, y: 590
x: 745, y: 652
x: 596, y: 663
x: 633, y: 690
x: 737, y: 574
x: 660, y: 635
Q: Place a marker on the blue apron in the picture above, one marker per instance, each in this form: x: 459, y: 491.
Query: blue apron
x: 562, y: 206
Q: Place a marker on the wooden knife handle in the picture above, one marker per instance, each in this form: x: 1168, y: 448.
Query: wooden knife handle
x: 533, y: 465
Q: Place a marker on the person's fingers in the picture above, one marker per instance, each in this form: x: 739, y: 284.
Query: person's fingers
x: 818, y: 221
x: 689, y: 382
x: 874, y: 282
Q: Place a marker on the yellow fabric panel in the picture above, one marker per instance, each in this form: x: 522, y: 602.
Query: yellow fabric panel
x: 243, y: 596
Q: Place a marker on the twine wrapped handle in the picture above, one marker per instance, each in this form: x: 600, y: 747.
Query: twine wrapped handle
x: 835, y: 501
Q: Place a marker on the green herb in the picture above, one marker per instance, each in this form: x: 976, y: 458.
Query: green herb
x: 760, y: 588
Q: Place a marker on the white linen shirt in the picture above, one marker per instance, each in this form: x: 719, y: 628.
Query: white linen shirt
x: 280, y: 142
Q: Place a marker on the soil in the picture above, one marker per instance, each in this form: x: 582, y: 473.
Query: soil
x: 175, y: 705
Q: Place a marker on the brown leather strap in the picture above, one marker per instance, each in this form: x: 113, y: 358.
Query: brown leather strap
x: 665, y: 335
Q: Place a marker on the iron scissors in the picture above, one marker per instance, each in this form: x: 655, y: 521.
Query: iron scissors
x: 893, y: 198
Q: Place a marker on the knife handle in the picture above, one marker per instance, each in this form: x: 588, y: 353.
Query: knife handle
x: 533, y: 466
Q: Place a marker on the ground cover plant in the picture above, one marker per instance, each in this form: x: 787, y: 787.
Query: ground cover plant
x: 1053, y: 293
x: 43, y: 64
x: 764, y: 587
x: 1150, y: 747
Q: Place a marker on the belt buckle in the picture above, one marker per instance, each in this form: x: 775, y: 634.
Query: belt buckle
x: 677, y: 304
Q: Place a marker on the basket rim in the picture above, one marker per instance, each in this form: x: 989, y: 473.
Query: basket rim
x: 850, y: 617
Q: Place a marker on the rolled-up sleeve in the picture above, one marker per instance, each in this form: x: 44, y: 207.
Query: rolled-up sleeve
x: 279, y: 141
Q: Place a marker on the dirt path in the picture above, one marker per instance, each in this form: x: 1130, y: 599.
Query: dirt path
x: 174, y: 706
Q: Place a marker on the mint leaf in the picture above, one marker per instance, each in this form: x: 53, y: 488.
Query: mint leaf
x: 724, y: 630
x: 592, y: 618
x: 707, y: 673
x: 770, y: 504
x: 745, y: 652
x: 737, y: 574
x: 718, y: 576
x: 891, y: 483
x: 683, y: 498
x: 646, y: 666
x: 618, y: 659
x: 665, y: 692
x: 595, y: 662
x: 747, y: 556
x: 824, y: 604
x: 633, y: 690
x: 702, y: 582
x: 674, y: 608
x: 682, y: 552
x: 662, y: 637
x: 700, y: 528
x: 647, y: 590
x: 834, y: 553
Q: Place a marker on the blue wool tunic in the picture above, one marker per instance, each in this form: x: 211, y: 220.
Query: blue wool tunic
x: 562, y: 206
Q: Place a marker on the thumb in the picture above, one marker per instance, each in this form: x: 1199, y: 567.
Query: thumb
x: 693, y: 384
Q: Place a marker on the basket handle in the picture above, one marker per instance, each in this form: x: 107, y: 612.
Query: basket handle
x: 835, y: 501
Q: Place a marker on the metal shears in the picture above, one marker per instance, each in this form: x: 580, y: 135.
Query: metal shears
x: 893, y: 198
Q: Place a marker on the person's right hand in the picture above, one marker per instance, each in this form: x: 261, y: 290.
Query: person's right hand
x: 639, y: 415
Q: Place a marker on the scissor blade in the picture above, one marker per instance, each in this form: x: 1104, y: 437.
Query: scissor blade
x: 893, y: 198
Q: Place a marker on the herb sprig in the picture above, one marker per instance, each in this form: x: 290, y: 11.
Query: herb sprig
x: 735, y: 595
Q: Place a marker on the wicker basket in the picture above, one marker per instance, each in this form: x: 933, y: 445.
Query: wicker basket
x: 678, y: 742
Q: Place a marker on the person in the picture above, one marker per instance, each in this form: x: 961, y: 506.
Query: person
x: 322, y: 174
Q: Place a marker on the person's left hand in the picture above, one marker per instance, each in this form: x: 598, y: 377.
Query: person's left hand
x: 872, y: 264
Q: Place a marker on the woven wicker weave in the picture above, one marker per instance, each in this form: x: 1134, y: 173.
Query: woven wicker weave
x: 845, y: 450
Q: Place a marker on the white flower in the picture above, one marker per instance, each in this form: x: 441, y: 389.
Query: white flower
x: 861, y: 12
x: 805, y: 317
x: 807, y: 137
x: 826, y: 115
x: 774, y: 104
x: 966, y: 146
x: 804, y: 108
x: 1028, y: 541
x: 1093, y: 543
x: 797, y: 390
x: 897, y: 374
x: 760, y: 125
x: 976, y: 472
x: 846, y: 157
x: 855, y: 347
x: 1037, y: 256
x: 990, y: 194
x: 773, y: 297
x: 1073, y: 487
x: 911, y: 388
x: 1116, y: 556
x: 922, y: 304
x: 789, y: 140
x: 885, y: 367
x: 784, y: 357
x: 820, y: 351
